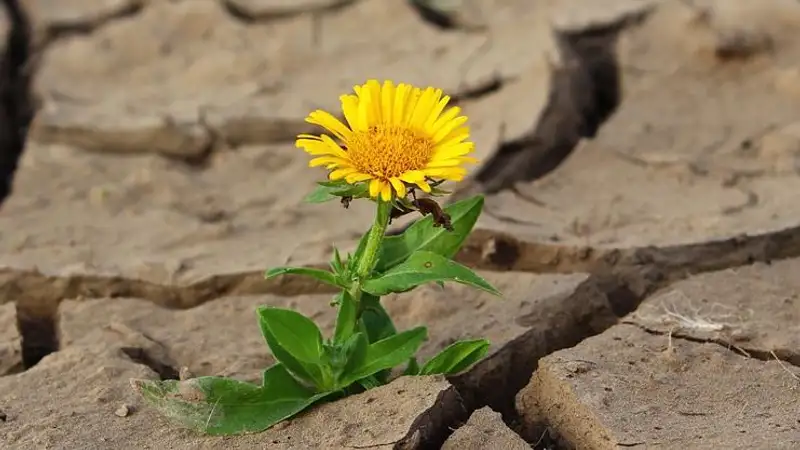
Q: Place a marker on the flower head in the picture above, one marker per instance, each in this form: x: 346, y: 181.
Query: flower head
x: 396, y: 137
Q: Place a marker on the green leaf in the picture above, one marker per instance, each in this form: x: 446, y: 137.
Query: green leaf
x: 224, y: 406
x: 423, y: 267
x: 346, y: 317
x: 336, y: 264
x: 412, y: 368
x: 328, y: 190
x: 295, y: 341
x: 422, y: 235
x: 388, y: 353
x: 356, y: 353
x: 457, y: 357
x: 375, y: 319
x: 370, y: 382
x: 295, y: 332
x: 321, y: 275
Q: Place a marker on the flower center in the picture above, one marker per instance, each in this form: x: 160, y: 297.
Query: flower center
x: 386, y: 151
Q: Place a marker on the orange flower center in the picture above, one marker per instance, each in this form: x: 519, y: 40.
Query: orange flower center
x: 388, y: 151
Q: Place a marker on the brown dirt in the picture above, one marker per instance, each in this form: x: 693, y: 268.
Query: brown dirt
x: 630, y: 388
x: 484, y: 429
x: 627, y: 145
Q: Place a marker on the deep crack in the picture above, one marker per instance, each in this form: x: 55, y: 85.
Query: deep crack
x: 16, y: 100
x: 557, y: 323
x: 584, y: 93
x: 57, y: 30
x: 38, y: 335
x: 142, y: 356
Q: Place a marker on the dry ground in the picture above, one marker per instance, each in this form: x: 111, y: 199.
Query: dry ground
x: 640, y: 163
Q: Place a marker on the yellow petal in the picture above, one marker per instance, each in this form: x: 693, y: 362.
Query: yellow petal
x: 426, y: 102
x: 423, y: 185
x: 452, y: 162
x: 445, y: 130
x: 307, y: 136
x: 400, y: 100
x: 357, y: 177
x: 386, y: 192
x: 412, y: 176
x: 435, y: 112
x: 364, y: 106
x: 374, y: 106
x: 350, y: 110
x: 340, y: 173
x: 375, y: 187
x: 329, y: 122
x: 399, y: 187
x: 333, y: 147
x: 411, y: 105
x: 448, y: 115
x: 456, y: 136
x: 326, y: 160
x: 448, y: 173
x: 387, y: 101
x: 319, y: 147
x: 454, y: 151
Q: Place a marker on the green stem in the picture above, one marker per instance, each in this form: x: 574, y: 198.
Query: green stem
x: 376, y: 234
x: 370, y: 254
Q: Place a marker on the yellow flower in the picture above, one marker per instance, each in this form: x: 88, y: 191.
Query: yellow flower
x: 395, y: 137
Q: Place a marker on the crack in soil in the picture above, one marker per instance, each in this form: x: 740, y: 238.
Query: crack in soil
x: 620, y: 280
x: 83, y: 26
x: 16, y: 100
x: 785, y: 355
x: 37, y: 296
x: 585, y: 92
x: 558, y: 323
x: 38, y: 336
x: 252, y: 16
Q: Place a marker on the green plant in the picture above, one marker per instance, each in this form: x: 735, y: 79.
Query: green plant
x: 365, y: 345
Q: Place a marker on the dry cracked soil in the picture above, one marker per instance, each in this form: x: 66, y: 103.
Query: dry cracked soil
x: 640, y: 162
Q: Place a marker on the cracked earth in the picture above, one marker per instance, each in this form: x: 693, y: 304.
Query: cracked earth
x: 640, y: 162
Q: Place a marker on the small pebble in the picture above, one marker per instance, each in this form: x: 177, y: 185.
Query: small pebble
x: 123, y: 411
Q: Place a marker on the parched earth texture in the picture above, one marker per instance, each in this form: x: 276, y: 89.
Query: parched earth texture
x: 640, y: 162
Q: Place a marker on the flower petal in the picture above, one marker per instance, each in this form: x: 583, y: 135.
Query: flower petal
x: 448, y: 173
x: 330, y: 123
x: 454, y: 151
x: 327, y: 160
x: 456, y: 136
x: 411, y: 104
x: 387, y: 101
x: 350, y: 110
x: 399, y: 187
x: 452, y: 162
x: 435, y: 113
x: 320, y: 147
x: 357, y: 177
x: 422, y: 111
x: 373, y: 101
x: 400, y: 100
x: 445, y: 130
x: 448, y: 116
x: 412, y: 176
x: 375, y: 187
x: 340, y: 173
x: 386, y: 192
x: 364, y: 105
x: 334, y: 147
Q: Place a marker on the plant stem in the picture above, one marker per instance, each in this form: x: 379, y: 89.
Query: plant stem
x: 376, y: 234
x: 370, y: 253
